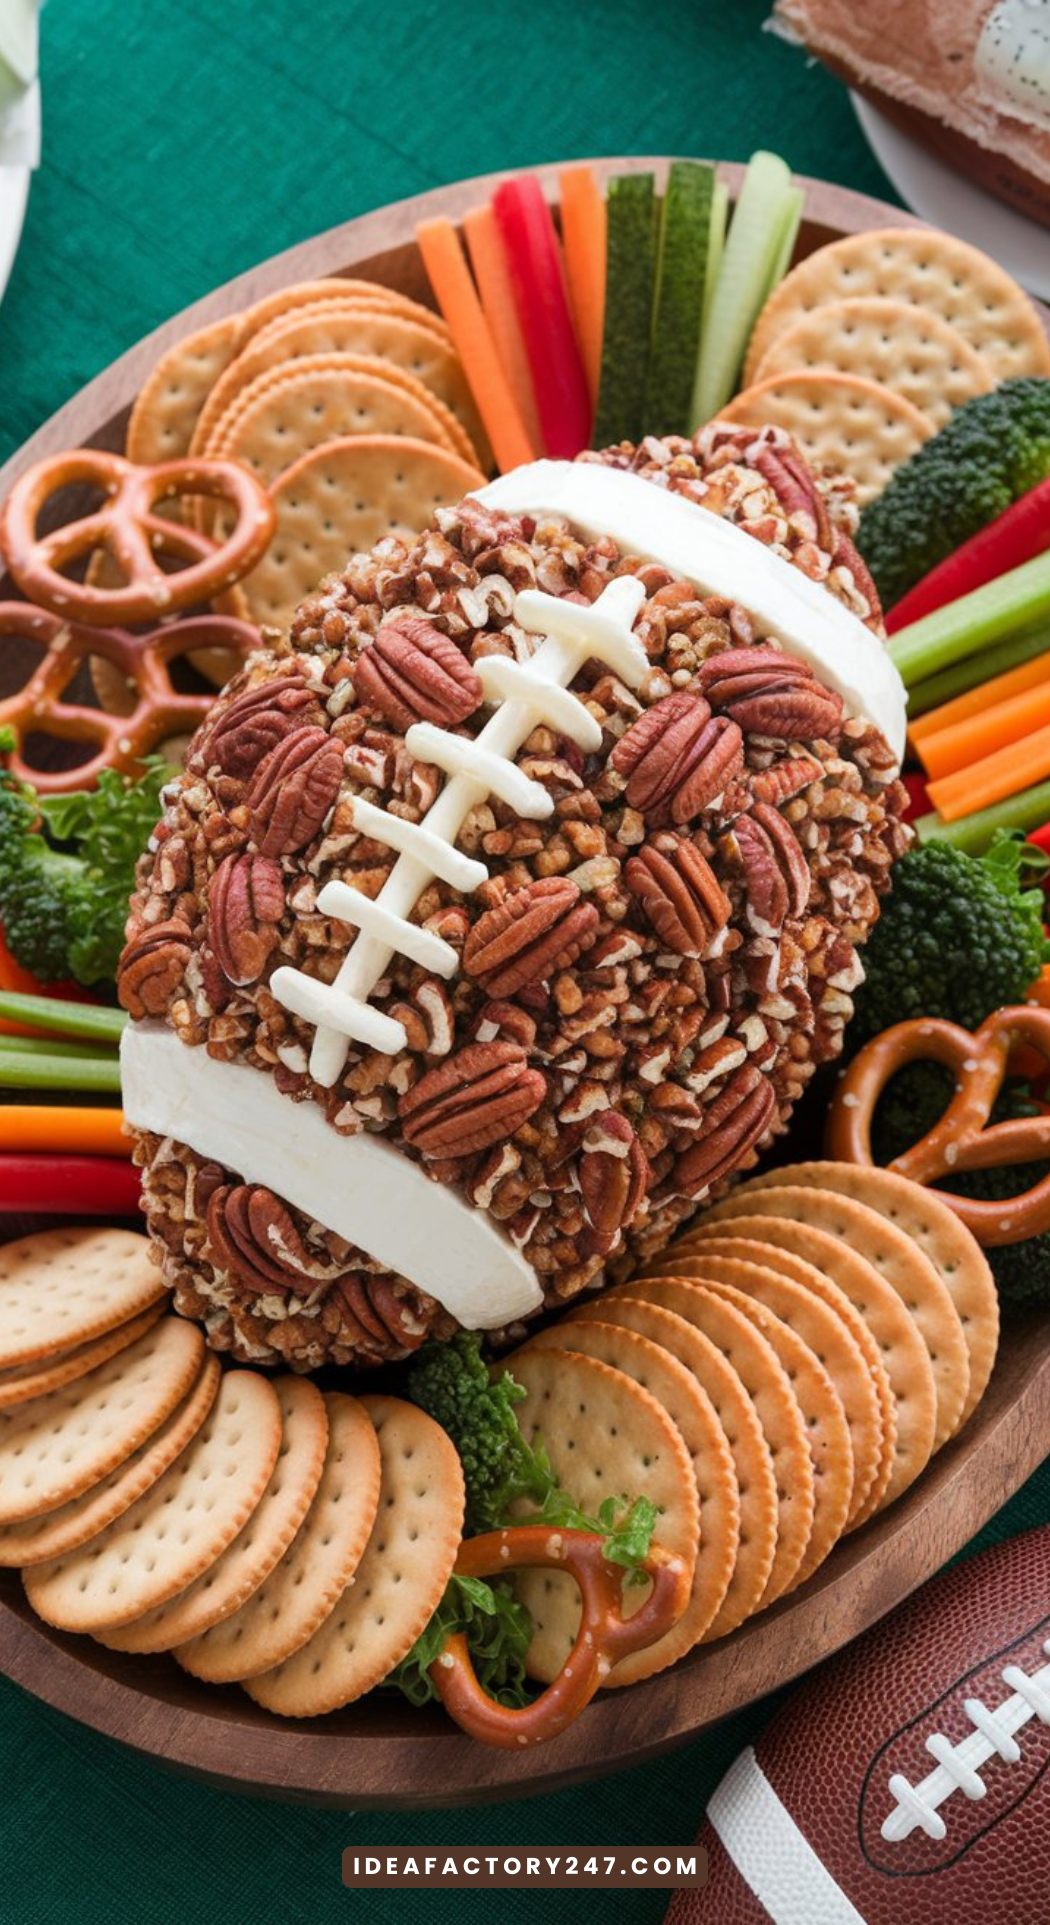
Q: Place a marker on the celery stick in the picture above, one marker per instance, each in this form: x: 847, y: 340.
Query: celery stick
x: 59, y: 1072
x: 685, y: 228
x: 99, y: 1025
x: 1011, y: 605
x: 755, y: 240
x: 975, y: 669
x: 48, y: 1046
x: 794, y: 203
x: 972, y: 833
x: 716, y: 247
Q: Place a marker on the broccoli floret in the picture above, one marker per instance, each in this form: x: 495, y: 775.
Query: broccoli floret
x: 41, y: 889
x: 451, y: 1381
x: 959, y: 937
x: 993, y: 449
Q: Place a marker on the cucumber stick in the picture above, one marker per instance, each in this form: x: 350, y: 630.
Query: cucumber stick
x: 685, y: 229
x: 753, y: 248
x: 631, y: 214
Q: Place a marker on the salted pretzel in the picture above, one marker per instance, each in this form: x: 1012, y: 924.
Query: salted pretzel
x: 159, y: 711
x: 128, y: 527
x: 963, y: 1139
x: 604, y: 1634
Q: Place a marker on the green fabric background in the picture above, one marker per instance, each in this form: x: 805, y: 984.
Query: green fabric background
x: 182, y: 144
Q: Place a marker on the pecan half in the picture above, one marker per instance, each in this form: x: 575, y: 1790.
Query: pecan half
x: 678, y: 757
x: 785, y: 779
x: 255, y: 1239
x: 795, y: 488
x: 614, y: 1175
x: 256, y: 721
x: 772, y: 694
x: 733, y: 1123
x: 482, y: 1094
x: 412, y: 672
x: 245, y: 904
x: 375, y: 1315
x: 151, y: 967
x: 293, y: 790
x: 776, y: 874
x: 680, y: 896
x: 529, y: 935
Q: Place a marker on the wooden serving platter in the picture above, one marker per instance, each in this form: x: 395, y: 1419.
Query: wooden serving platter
x: 382, y: 1753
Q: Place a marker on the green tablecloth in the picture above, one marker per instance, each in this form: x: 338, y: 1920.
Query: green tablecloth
x: 181, y: 145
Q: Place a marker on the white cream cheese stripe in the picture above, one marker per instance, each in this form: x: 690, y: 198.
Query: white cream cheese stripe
x: 476, y: 767
x: 771, y: 1854
x: 359, y: 1186
x: 720, y: 559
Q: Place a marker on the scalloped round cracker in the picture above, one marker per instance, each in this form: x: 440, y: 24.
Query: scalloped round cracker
x: 182, y: 1524
x: 58, y: 1446
x: 691, y: 1410
x: 26, y: 1381
x: 839, y: 421
x: 907, y: 348
x: 752, y: 1459
x: 928, y: 268
x: 401, y: 1577
x: 60, y: 1288
x: 929, y: 1221
x: 41, y: 1539
x: 316, y: 1568
x: 247, y: 1562
x: 340, y: 500
x: 290, y: 410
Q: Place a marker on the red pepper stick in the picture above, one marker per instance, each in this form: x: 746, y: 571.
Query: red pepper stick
x: 918, y: 797
x: 558, y: 378
x: 69, y: 1185
x: 1041, y: 838
x: 1017, y: 535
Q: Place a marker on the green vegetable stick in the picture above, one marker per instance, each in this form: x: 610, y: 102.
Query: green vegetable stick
x: 1011, y: 605
x: 973, y: 833
x: 59, y: 1072
x: 794, y: 206
x: 98, y: 1024
x: 630, y: 269
x: 755, y: 240
x: 48, y: 1046
x: 975, y: 669
x: 685, y: 229
x: 716, y: 247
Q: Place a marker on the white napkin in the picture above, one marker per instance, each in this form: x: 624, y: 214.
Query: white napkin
x: 19, y: 92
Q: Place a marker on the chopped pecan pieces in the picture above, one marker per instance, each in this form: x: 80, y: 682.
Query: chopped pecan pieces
x: 152, y: 966
x: 412, y: 672
x: 530, y: 934
x: 293, y: 790
x: 482, y: 1094
x: 681, y: 897
x: 245, y: 904
x: 614, y: 1177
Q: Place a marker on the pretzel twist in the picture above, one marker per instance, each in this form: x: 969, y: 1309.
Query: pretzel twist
x: 128, y: 527
x: 963, y: 1138
x: 143, y: 661
x: 604, y: 1634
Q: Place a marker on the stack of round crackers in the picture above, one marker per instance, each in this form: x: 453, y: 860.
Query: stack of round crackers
x: 865, y: 348
x: 264, y: 1532
x: 346, y: 398
x: 777, y: 1377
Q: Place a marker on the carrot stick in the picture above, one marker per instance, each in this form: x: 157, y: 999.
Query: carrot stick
x: 60, y: 1126
x: 497, y: 301
x: 583, y: 239
x: 1015, y: 681
x: 1017, y: 767
x: 472, y: 338
x: 1039, y: 991
x: 980, y: 736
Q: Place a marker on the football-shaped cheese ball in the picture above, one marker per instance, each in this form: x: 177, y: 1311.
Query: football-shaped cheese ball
x: 907, y: 1783
x: 506, y: 906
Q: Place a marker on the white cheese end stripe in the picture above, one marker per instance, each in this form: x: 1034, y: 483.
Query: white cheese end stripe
x: 771, y: 1854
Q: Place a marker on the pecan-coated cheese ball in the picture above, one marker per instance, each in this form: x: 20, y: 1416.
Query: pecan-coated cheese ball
x: 442, y: 1011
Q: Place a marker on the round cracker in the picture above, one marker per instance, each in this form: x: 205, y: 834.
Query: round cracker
x: 909, y: 349
x: 316, y: 1568
x: 905, y: 1268
x: 691, y: 1410
x: 827, y: 1432
x: 25, y: 1381
x: 336, y: 287
x: 752, y: 1461
x: 779, y: 1413
x: 606, y: 1437
x: 289, y: 410
x: 60, y: 1288
x: 248, y: 1561
x: 43, y: 1538
x: 400, y: 1580
x: 956, y: 1256
x: 169, y: 402
x: 904, y: 1354
x: 827, y: 1334
x: 182, y: 1524
x: 927, y: 268
x: 61, y: 1444
x: 839, y: 421
x: 340, y: 500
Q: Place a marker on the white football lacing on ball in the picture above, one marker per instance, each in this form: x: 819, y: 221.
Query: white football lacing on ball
x: 530, y: 694
x: 959, y: 1766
